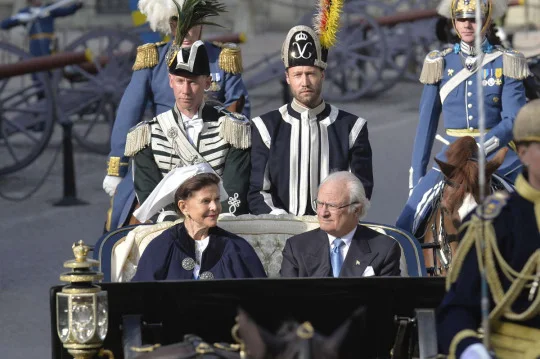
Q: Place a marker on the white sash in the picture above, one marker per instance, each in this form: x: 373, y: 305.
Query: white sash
x: 463, y: 75
x: 178, y: 139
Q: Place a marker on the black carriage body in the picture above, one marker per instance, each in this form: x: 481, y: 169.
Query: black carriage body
x: 208, y: 308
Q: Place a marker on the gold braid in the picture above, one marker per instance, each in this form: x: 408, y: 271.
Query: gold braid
x: 489, y: 259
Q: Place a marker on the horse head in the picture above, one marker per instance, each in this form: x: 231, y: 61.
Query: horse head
x: 459, y: 195
x: 292, y: 341
x: 461, y: 174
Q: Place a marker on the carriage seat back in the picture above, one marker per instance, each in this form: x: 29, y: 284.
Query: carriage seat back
x: 267, y: 234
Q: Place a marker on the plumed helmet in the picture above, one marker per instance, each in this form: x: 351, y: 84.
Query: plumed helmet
x: 303, y: 48
x: 306, y: 46
x: 159, y: 13
x: 466, y: 9
x: 190, y: 61
x: 527, y: 123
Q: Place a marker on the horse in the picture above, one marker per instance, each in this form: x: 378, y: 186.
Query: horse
x: 459, y: 194
x: 292, y: 341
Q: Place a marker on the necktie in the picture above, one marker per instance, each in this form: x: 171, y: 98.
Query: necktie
x: 335, y: 256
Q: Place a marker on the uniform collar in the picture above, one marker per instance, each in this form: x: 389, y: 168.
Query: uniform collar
x: 525, y: 190
x: 470, y: 50
x: 312, y: 112
x: 178, y: 115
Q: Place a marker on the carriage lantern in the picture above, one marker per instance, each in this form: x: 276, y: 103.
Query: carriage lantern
x: 81, y: 307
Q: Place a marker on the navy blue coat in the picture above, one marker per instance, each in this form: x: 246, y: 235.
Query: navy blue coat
x: 517, y: 237
x: 227, y: 256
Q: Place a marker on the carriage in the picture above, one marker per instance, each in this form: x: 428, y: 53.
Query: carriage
x: 141, y: 315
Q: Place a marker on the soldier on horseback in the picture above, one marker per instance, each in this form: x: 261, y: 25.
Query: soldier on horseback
x: 501, y: 243
x: 450, y: 89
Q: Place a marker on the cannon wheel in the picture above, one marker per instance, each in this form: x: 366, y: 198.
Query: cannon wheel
x: 26, y: 114
x: 356, y: 61
x: 89, y: 93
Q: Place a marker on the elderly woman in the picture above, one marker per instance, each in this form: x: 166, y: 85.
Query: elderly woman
x: 509, y: 224
x: 198, y: 248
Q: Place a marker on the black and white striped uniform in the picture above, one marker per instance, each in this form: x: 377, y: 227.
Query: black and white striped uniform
x: 293, y: 149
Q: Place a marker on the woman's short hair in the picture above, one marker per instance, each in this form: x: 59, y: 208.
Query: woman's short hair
x: 194, y: 184
x: 356, y: 190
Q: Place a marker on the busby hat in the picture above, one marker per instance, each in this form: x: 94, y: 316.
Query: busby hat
x: 305, y: 46
x: 527, y: 123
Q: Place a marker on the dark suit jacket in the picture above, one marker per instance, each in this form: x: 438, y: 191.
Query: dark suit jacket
x: 308, y: 255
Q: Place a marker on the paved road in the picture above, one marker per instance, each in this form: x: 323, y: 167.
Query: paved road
x: 35, y: 237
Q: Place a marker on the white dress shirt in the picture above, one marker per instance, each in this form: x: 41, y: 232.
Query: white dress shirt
x: 200, y: 246
x: 347, y: 239
x: 193, y: 127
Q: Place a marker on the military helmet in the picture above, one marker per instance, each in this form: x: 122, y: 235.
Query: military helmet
x: 466, y: 9
x: 303, y: 48
x: 527, y: 123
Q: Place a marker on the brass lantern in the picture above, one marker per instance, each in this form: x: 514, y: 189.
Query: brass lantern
x: 81, y: 307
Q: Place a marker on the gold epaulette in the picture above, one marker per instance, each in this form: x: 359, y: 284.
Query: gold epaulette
x: 230, y: 58
x: 137, y: 138
x: 235, y: 128
x: 515, y: 64
x: 433, y: 69
x: 147, y: 56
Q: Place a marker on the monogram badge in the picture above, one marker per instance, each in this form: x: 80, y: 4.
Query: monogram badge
x: 450, y: 72
x: 188, y: 263
x: 357, y: 262
x: 206, y: 276
x: 233, y: 203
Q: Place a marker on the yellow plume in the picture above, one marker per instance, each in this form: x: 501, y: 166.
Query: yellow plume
x: 326, y: 21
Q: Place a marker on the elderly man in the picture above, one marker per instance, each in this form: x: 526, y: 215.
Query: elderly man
x: 341, y: 247
x: 297, y: 145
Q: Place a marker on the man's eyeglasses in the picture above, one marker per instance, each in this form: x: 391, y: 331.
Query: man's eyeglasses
x: 330, y: 206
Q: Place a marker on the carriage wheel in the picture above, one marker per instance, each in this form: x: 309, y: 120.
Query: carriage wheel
x: 90, y: 93
x: 356, y: 61
x: 26, y: 114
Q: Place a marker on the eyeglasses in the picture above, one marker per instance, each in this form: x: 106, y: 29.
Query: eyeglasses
x: 330, y: 206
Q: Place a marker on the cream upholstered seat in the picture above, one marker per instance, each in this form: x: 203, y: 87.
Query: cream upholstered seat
x: 266, y: 233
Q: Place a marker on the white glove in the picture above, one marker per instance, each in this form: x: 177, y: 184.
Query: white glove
x: 490, y: 145
x: 24, y: 17
x: 110, y: 183
x: 475, y: 351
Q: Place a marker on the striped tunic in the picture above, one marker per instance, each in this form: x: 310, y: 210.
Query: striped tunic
x: 209, y: 145
x: 294, y: 149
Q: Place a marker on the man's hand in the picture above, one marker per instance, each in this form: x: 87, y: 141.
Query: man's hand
x: 475, y: 351
x: 110, y: 183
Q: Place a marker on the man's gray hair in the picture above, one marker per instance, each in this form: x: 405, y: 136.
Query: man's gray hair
x: 357, y: 193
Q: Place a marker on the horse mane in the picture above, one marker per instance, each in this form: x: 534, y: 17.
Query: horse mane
x: 462, y: 155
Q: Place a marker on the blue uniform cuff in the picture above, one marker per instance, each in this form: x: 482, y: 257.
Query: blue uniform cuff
x: 117, y: 166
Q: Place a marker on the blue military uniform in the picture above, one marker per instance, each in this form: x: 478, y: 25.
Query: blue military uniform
x: 150, y: 86
x: 515, y: 221
x: 41, y: 30
x: 451, y: 89
x: 172, y: 256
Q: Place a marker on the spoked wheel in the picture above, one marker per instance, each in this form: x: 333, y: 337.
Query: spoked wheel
x: 89, y: 93
x: 356, y: 61
x: 26, y: 114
